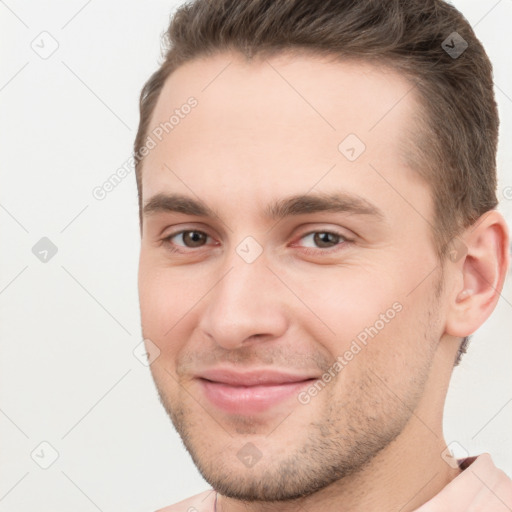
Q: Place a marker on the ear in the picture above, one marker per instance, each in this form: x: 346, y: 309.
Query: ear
x: 479, y: 262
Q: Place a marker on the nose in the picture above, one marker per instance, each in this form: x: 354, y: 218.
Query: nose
x: 245, y: 305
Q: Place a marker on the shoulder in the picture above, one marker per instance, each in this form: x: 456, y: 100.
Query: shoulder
x: 202, y: 502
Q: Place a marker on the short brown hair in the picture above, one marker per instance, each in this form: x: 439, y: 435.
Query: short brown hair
x: 454, y: 145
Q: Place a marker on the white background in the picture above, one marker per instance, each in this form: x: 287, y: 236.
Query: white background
x: 68, y: 327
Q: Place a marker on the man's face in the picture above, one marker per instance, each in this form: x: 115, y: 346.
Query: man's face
x: 244, y: 292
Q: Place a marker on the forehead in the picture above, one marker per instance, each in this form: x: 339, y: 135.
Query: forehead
x: 334, y: 94
x: 278, y: 125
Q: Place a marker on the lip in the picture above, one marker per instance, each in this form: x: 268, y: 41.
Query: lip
x: 250, y: 392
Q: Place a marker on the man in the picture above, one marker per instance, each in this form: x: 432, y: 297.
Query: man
x: 319, y: 239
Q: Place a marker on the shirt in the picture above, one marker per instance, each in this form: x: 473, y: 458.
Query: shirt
x: 480, y: 487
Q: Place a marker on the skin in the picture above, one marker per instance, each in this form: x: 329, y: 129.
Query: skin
x: 372, y: 438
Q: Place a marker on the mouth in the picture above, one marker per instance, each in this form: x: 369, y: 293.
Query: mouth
x: 250, y: 393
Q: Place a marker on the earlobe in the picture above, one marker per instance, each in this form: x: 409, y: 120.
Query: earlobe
x: 483, y: 270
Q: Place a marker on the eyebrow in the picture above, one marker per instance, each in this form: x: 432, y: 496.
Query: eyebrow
x: 340, y: 202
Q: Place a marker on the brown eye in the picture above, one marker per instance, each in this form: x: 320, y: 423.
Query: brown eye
x: 194, y: 238
x: 324, y: 239
x: 323, y: 243
x: 190, y: 238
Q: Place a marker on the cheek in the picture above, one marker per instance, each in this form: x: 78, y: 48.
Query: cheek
x: 351, y: 299
x: 159, y: 299
x: 169, y: 302
x: 373, y: 316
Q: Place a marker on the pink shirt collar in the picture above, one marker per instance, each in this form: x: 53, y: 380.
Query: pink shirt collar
x: 480, y: 487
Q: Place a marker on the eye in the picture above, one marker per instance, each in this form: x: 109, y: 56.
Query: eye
x: 319, y: 240
x: 190, y: 238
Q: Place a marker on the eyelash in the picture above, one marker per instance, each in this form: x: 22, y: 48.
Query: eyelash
x: 307, y: 250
